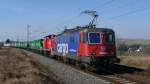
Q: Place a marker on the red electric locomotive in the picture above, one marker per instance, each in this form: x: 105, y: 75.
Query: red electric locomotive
x: 96, y: 46
x: 88, y: 45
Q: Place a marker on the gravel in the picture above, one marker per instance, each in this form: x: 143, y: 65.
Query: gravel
x: 66, y: 73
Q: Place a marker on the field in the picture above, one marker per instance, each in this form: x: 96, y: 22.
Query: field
x: 17, y: 68
x: 135, y: 41
x: 136, y: 61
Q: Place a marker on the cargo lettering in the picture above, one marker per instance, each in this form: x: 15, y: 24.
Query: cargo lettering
x: 62, y: 48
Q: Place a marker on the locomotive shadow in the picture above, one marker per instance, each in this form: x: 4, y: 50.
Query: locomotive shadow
x: 117, y: 69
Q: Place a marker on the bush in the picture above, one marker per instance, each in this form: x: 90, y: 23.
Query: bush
x: 123, y: 47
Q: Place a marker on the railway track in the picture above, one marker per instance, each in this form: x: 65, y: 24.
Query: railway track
x: 112, y: 77
x: 119, y: 74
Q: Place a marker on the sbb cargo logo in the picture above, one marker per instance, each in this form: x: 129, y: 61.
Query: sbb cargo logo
x: 62, y: 48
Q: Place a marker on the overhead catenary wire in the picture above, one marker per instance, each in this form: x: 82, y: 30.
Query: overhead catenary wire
x: 128, y: 4
x: 122, y: 6
x: 99, y: 6
x: 114, y: 17
x: 124, y: 14
x: 130, y: 12
x: 77, y: 16
x: 109, y: 2
x: 104, y: 4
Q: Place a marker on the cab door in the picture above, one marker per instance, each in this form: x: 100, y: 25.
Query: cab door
x: 82, y: 44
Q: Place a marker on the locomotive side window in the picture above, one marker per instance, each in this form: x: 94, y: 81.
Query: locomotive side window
x: 109, y: 38
x: 85, y: 37
x: 94, y: 37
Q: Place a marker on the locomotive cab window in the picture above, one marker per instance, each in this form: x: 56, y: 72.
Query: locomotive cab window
x: 94, y: 37
x: 109, y: 38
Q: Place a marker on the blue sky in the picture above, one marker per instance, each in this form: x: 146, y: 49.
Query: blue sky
x: 51, y: 16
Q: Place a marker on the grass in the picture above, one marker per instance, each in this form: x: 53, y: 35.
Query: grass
x: 136, y: 41
x: 136, y: 61
x: 17, y: 68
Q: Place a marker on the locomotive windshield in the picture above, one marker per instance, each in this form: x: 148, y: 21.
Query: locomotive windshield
x: 109, y: 38
x: 94, y: 37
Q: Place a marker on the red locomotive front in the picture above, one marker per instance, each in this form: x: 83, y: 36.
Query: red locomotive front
x: 97, y: 43
x: 101, y: 44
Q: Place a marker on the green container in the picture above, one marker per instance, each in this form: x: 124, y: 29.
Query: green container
x: 36, y: 44
x: 17, y: 44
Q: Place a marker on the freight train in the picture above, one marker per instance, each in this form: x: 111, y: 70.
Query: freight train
x: 87, y: 46
x: 82, y: 45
